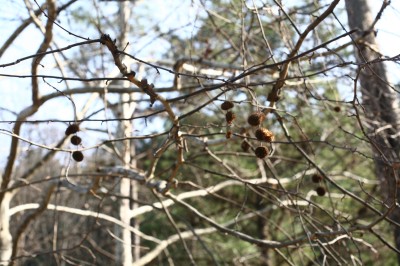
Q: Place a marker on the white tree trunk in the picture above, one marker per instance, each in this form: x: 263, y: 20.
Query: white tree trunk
x: 5, y: 235
x: 128, y: 151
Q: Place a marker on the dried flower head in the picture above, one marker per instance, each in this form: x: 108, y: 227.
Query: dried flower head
x: 76, y: 140
x: 77, y: 156
x: 316, y: 178
x: 261, y: 152
x: 227, y: 105
x: 229, y: 117
x: 245, y: 146
x: 72, y: 129
x: 320, y: 191
x: 264, y: 134
x: 256, y: 118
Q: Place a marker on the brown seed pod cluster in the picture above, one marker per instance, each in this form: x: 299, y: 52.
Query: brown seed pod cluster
x: 77, y: 156
x: 261, y: 152
x: 227, y: 105
x: 320, y: 191
x: 229, y: 117
x: 75, y: 140
x: 256, y: 118
x: 72, y: 129
x: 264, y: 134
x: 316, y: 178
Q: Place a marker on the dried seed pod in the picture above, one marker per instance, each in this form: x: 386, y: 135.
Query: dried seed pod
x: 316, y: 178
x: 245, y: 146
x: 229, y: 117
x: 143, y: 83
x: 228, y: 134
x: 336, y: 109
x: 227, y: 105
x: 77, y: 156
x: 261, y: 152
x: 320, y: 191
x: 76, y: 140
x: 72, y: 129
x: 264, y: 134
x: 256, y: 118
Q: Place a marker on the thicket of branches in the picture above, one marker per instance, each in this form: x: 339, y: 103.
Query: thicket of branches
x: 205, y: 132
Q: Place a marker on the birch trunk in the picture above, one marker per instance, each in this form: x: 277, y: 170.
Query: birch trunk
x: 127, y: 189
x: 5, y: 235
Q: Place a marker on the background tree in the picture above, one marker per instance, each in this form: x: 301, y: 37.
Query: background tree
x: 198, y: 132
x: 380, y: 106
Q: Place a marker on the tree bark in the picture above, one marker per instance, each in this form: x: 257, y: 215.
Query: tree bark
x: 379, y: 104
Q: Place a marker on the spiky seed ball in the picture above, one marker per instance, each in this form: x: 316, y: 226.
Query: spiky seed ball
x: 229, y: 117
x: 261, y: 152
x: 77, y: 156
x: 76, y: 140
x: 227, y: 105
x: 245, y: 146
x: 72, y: 129
x: 264, y: 134
x: 256, y: 118
x: 320, y: 191
x: 336, y: 109
x: 316, y: 178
